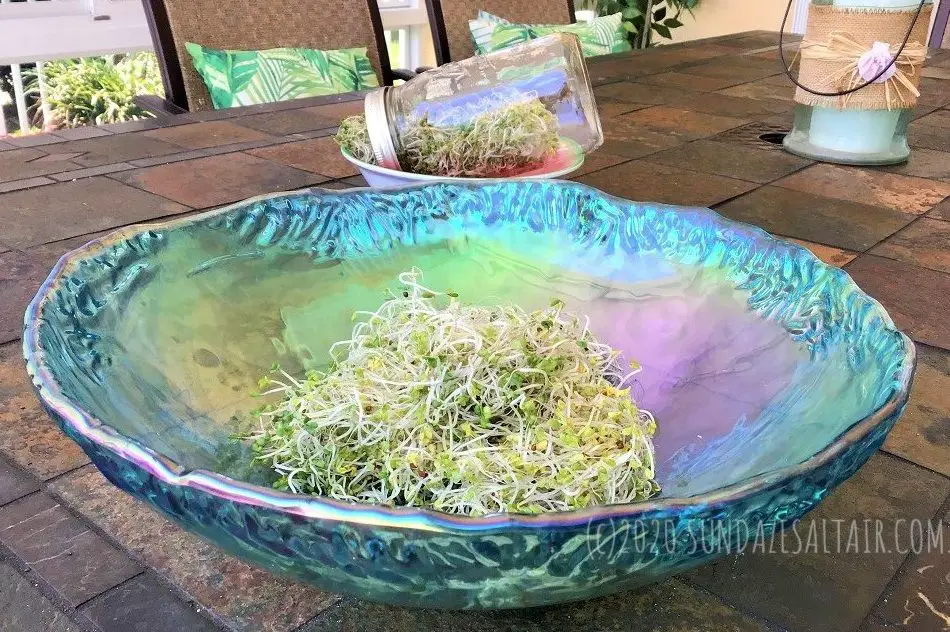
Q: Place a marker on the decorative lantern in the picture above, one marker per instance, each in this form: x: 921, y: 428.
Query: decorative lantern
x: 857, y: 82
x: 491, y: 93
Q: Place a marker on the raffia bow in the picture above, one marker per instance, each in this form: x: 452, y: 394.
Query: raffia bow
x: 842, y: 47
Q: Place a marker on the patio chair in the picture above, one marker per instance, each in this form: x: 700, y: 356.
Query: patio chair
x: 247, y: 25
x: 449, y: 20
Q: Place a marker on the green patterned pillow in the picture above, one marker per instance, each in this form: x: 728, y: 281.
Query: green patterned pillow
x: 601, y: 36
x: 238, y: 77
x: 482, y: 28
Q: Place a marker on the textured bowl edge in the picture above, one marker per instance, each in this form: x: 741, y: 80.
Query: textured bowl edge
x: 169, y: 472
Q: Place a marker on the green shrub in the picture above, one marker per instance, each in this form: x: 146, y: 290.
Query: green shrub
x: 99, y: 90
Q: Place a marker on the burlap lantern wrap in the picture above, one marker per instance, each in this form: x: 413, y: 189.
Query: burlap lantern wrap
x: 843, y: 45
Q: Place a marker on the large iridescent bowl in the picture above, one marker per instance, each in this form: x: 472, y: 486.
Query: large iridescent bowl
x: 772, y: 376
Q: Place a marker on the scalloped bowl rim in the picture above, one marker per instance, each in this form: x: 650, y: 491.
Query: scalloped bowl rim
x: 320, y: 507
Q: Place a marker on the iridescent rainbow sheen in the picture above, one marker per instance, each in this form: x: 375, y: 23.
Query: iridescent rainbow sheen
x: 772, y: 376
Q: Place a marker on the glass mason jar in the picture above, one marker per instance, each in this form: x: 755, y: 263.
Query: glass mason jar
x: 549, y: 69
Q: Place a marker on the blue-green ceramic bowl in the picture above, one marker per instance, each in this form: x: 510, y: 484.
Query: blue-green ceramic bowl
x: 772, y: 376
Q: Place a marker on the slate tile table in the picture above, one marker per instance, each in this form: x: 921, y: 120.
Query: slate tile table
x: 684, y: 124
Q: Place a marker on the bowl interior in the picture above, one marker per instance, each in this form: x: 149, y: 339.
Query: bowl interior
x: 755, y: 355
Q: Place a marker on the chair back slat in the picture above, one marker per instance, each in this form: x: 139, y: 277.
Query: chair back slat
x: 258, y: 25
x: 449, y: 20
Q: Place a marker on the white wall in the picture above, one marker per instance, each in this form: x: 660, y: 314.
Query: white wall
x: 723, y: 17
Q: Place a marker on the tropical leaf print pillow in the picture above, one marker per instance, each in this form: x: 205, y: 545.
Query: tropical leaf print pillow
x: 601, y: 36
x: 236, y: 77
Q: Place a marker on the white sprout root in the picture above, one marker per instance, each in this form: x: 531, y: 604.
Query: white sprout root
x: 464, y: 409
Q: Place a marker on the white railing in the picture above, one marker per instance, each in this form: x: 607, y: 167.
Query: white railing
x: 35, y: 31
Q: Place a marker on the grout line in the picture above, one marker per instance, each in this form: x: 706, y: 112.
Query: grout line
x: 135, y: 556
x: 908, y: 461
x: 768, y: 623
x: 867, y: 251
x: 17, y: 468
x: 45, y: 588
x: 909, y: 557
x: 323, y: 614
x: 62, y: 475
x: 109, y: 590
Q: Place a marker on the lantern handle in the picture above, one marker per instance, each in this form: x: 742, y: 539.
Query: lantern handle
x: 788, y: 71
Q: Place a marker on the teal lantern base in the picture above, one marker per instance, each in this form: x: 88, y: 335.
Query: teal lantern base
x: 850, y: 137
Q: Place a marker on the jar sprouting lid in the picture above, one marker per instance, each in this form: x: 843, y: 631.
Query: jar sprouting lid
x: 377, y: 126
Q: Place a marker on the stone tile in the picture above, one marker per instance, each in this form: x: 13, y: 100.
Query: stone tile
x: 336, y: 185
x: 597, y: 161
x: 935, y: 72
x: 923, y: 434
x: 209, y: 134
x: 917, y: 600
x: 750, y: 163
x: 61, y: 549
x: 27, y: 183
x: 79, y: 133
x: 762, y: 89
x: 738, y: 68
x: 925, y: 163
x: 624, y: 136
x: 643, y: 93
x: 246, y: 598
x: 937, y: 118
x: 736, y: 107
x: 67, y: 209
x: 766, y: 39
x: 27, y: 435
x: 925, y: 243
x: 687, y: 82
x: 785, y: 120
x: 941, y: 211
x: 671, y: 606
x: 336, y: 112
x: 839, y: 223
x: 656, y: 60
x: 915, y: 297
x: 142, y: 604
x: 609, y: 108
x: 200, y: 153
x: 216, y: 180
x: 682, y: 124
x: 643, y: 180
x: 286, y: 122
x: 316, y: 133
x: 356, y: 181
x: 869, y: 186
x: 831, y: 256
x: 105, y: 150
x: 5, y: 146
x: 24, y: 609
x: 921, y: 110
x: 21, y: 275
x: 32, y: 140
x: 18, y: 164
x: 140, y: 125
x: 923, y: 136
x: 831, y: 589
x: 319, y: 155
x: 57, y: 158
x: 76, y: 174
x: 934, y: 91
x: 14, y: 483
